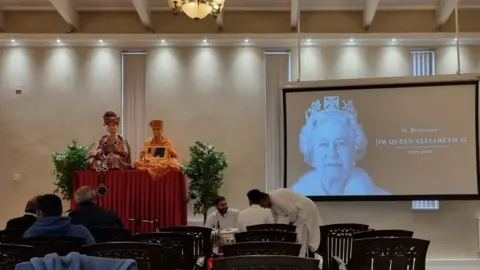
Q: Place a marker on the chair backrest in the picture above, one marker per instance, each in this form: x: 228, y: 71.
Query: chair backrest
x: 148, y: 256
x: 261, y: 248
x: 181, y: 243
x: 382, y: 233
x: 272, y: 227
x: 11, y: 236
x: 337, y: 240
x: 267, y: 262
x: 62, y: 245
x: 202, y: 242
x: 11, y: 255
x: 275, y: 236
x: 401, y: 253
x: 102, y: 235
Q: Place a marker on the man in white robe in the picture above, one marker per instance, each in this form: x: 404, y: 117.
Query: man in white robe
x: 255, y: 214
x: 224, y: 217
x: 289, y: 207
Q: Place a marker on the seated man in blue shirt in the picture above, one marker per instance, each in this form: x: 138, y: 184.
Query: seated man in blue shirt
x: 51, y: 223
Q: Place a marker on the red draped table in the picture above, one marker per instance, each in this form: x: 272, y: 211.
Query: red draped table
x: 133, y: 195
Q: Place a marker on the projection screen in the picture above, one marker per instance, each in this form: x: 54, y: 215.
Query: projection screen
x: 382, y: 142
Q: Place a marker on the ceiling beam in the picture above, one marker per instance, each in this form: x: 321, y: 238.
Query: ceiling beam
x: 369, y: 12
x: 66, y: 9
x: 219, y: 20
x: 444, y: 10
x: 143, y: 9
x: 294, y: 14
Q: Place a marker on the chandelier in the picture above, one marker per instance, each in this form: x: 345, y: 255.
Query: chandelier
x: 197, y: 9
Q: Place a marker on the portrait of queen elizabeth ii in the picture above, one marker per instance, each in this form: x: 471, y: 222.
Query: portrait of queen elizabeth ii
x: 331, y: 142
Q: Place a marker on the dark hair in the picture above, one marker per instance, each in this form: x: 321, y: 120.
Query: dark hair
x: 255, y: 196
x: 218, y: 200
x: 31, y: 206
x: 109, y: 114
x: 50, y: 205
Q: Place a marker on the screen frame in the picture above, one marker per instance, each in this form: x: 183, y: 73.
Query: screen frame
x: 385, y: 86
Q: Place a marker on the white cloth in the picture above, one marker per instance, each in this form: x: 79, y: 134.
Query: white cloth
x: 254, y: 215
x: 291, y: 207
x: 227, y: 221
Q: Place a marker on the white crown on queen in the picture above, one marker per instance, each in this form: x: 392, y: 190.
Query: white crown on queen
x: 331, y: 105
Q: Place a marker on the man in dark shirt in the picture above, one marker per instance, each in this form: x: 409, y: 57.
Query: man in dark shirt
x: 24, y: 222
x: 89, y: 214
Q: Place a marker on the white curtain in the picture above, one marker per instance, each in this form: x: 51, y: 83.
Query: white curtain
x: 277, y: 73
x: 134, y: 124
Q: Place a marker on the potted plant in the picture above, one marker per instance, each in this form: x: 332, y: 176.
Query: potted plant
x: 205, y: 173
x: 65, y: 164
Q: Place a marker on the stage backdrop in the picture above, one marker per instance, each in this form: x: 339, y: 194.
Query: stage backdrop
x: 382, y: 140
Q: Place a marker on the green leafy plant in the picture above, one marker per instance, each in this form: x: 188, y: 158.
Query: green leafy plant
x: 65, y: 164
x: 205, y: 173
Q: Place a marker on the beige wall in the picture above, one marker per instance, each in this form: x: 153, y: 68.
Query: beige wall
x: 211, y: 94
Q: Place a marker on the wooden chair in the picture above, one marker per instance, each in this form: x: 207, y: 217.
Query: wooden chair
x: 102, y: 235
x: 11, y: 236
x: 11, y: 255
x: 382, y: 233
x: 336, y: 240
x: 275, y: 236
x: 62, y: 245
x: 148, y: 256
x: 182, y: 244
x: 257, y: 262
x: 399, y: 253
x: 272, y: 227
x: 261, y: 248
x: 202, y: 242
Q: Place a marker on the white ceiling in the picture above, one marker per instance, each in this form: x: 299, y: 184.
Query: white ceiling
x: 236, y: 4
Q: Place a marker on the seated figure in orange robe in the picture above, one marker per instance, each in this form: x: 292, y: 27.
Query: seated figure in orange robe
x: 157, y: 167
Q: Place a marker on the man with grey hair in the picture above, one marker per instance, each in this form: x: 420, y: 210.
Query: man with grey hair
x: 89, y: 214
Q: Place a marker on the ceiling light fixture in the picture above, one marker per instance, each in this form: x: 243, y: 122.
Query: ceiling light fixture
x: 197, y: 9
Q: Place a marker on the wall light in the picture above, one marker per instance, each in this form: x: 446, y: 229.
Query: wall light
x: 246, y: 40
x: 455, y: 39
x: 13, y: 41
x: 309, y: 39
x: 351, y: 40
x: 163, y: 40
x: 100, y: 41
x: 58, y: 41
x: 204, y: 41
x: 393, y: 40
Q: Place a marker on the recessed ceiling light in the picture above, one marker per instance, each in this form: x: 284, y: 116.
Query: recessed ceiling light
x: 204, y: 41
x: 163, y: 40
x: 100, y: 41
x: 58, y: 41
x: 351, y: 40
x: 393, y: 40
x: 246, y: 40
x: 13, y: 41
